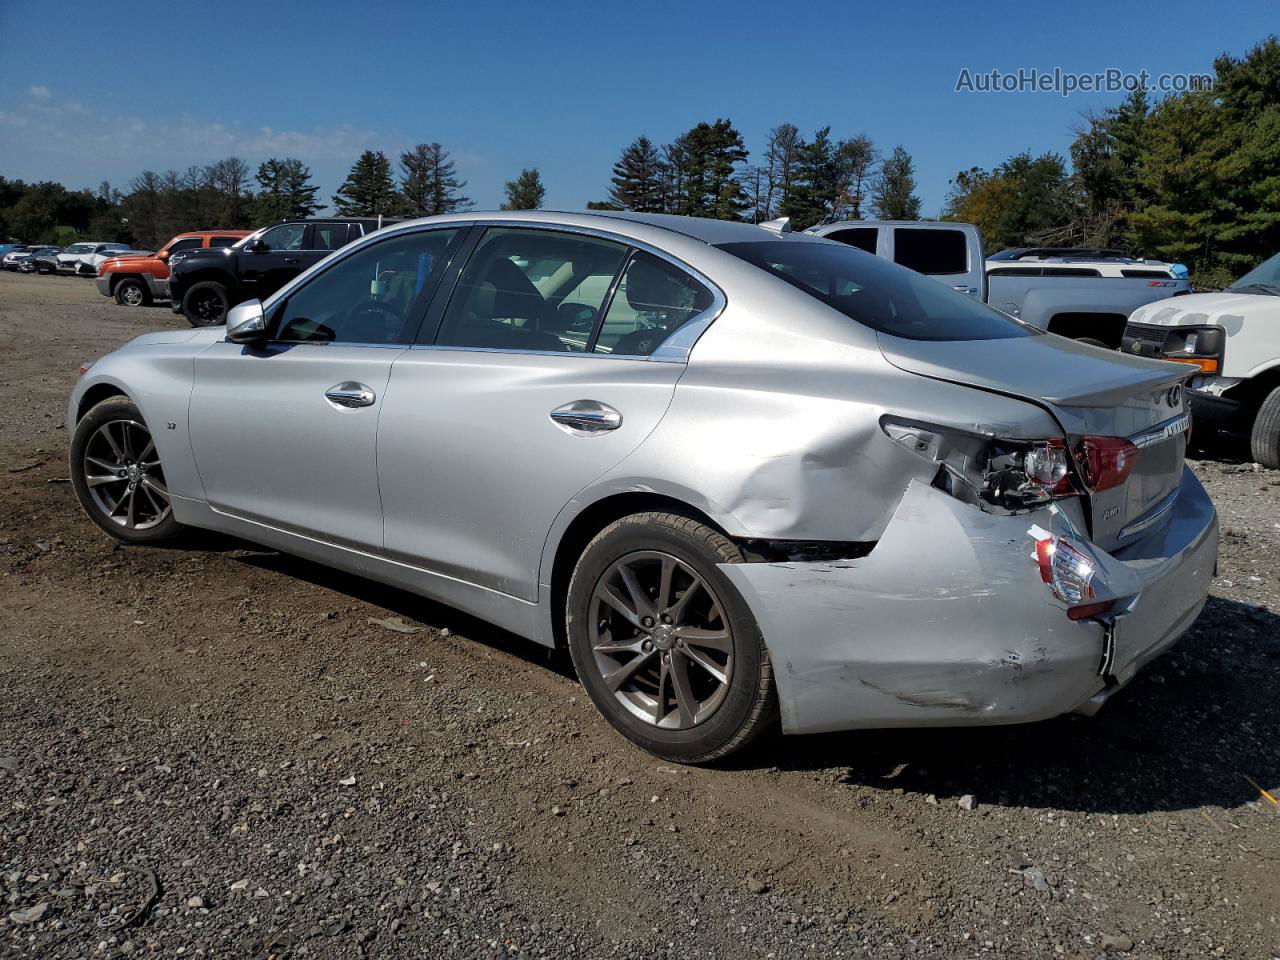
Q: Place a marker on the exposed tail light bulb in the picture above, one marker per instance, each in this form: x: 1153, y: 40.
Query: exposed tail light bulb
x: 1045, y: 463
x: 1069, y: 574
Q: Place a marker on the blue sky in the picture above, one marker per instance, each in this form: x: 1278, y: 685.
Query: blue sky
x: 102, y: 91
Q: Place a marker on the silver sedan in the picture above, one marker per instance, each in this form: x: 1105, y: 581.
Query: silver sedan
x: 744, y: 474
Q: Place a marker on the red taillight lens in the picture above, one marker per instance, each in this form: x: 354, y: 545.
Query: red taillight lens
x: 1085, y: 611
x: 1105, y: 462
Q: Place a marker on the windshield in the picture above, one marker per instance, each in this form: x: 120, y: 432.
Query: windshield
x: 877, y: 293
x: 78, y: 248
x: 1264, y: 278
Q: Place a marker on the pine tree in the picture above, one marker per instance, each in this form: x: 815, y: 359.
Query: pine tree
x: 287, y: 190
x: 895, y: 195
x: 708, y: 156
x: 637, y: 178
x: 368, y: 190
x: 429, y: 184
x: 525, y: 192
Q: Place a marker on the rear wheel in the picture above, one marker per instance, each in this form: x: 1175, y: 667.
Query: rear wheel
x: 132, y: 293
x: 1264, y: 439
x: 206, y: 304
x: 117, y: 474
x: 664, y: 644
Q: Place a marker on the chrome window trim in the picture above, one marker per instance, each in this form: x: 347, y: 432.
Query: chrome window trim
x: 674, y: 349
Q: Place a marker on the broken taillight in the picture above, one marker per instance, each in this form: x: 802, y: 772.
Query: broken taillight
x: 1069, y: 574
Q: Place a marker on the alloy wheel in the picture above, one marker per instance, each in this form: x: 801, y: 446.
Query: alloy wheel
x: 207, y: 306
x: 660, y: 639
x: 132, y: 295
x: 123, y: 476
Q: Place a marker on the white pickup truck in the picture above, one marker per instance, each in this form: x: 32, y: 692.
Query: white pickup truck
x: 1084, y: 294
x: 1232, y: 338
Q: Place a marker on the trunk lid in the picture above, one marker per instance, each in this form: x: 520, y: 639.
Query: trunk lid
x: 1091, y: 392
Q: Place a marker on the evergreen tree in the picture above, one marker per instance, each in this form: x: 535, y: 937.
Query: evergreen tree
x: 1024, y: 201
x: 429, y: 183
x: 895, y: 193
x: 637, y: 178
x: 287, y: 190
x: 525, y: 192
x: 368, y: 190
x: 707, y: 158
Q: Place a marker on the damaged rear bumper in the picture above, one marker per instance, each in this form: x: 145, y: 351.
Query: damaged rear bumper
x: 947, y: 622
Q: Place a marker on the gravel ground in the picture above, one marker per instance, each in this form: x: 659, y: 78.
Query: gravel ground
x: 222, y: 752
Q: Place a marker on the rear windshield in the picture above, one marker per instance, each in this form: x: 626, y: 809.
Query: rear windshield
x: 877, y: 293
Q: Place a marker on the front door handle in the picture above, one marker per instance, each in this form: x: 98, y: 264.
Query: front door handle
x: 349, y: 393
x: 293, y: 261
x: 971, y: 291
x: 584, y: 418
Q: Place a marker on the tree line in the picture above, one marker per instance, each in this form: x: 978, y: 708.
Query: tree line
x: 1193, y: 178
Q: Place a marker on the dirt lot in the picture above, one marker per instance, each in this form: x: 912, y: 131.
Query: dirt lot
x: 217, y: 752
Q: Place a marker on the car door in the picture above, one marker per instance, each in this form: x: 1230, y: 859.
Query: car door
x: 275, y: 258
x: 539, y: 379
x: 284, y: 434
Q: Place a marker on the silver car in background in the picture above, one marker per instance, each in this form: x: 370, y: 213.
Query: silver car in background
x: 743, y: 473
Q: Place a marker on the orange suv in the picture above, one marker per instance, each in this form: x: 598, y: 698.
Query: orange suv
x: 136, y: 281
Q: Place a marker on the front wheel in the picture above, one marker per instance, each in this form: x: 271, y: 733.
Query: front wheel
x: 664, y: 644
x: 206, y: 304
x: 132, y: 293
x: 1264, y: 439
x: 117, y: 475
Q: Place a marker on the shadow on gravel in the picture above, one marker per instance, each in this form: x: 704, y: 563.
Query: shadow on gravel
x: 1185, y: 733
x: 407, y: 605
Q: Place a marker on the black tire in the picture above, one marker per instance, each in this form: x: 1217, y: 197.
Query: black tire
x: 1264, y: 439
x: 113, y: 438
x: 131, y: 292
x: 744, y: 704
x: 206, y: 304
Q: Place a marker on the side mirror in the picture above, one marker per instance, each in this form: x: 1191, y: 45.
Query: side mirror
x: 258, y: 246
x: 246, y: 323
x: 162, y: 255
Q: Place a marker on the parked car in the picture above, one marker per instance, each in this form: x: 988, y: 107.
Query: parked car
x: 43, y: 260
x: 77, y: 259
x: 1231, y: 340
x: 16, y: 252
x: 136, y: 281
x: 1083, y: 294
x: 777, y: 477
x: 205, y: 284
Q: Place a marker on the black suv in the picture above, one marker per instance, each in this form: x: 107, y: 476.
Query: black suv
x: 205, y: 283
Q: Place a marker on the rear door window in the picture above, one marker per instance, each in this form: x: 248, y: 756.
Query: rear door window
x: 653, y: 300
x: 531, y: 290
x: 931, y: 251
x: 329, y: 236
x: 864, y: 238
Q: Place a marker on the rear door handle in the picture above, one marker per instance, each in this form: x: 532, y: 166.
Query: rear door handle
x: 349, y: 393
x: 293, y: 261
x: 586, y: 417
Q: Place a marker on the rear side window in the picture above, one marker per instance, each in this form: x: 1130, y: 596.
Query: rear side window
x: 878, y: 294
x: 329, y: 236
x: 223, y: 241
x: 864, y: 238
x: 931, y: 251
x: 653, y: 300
x: 531, y: 290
